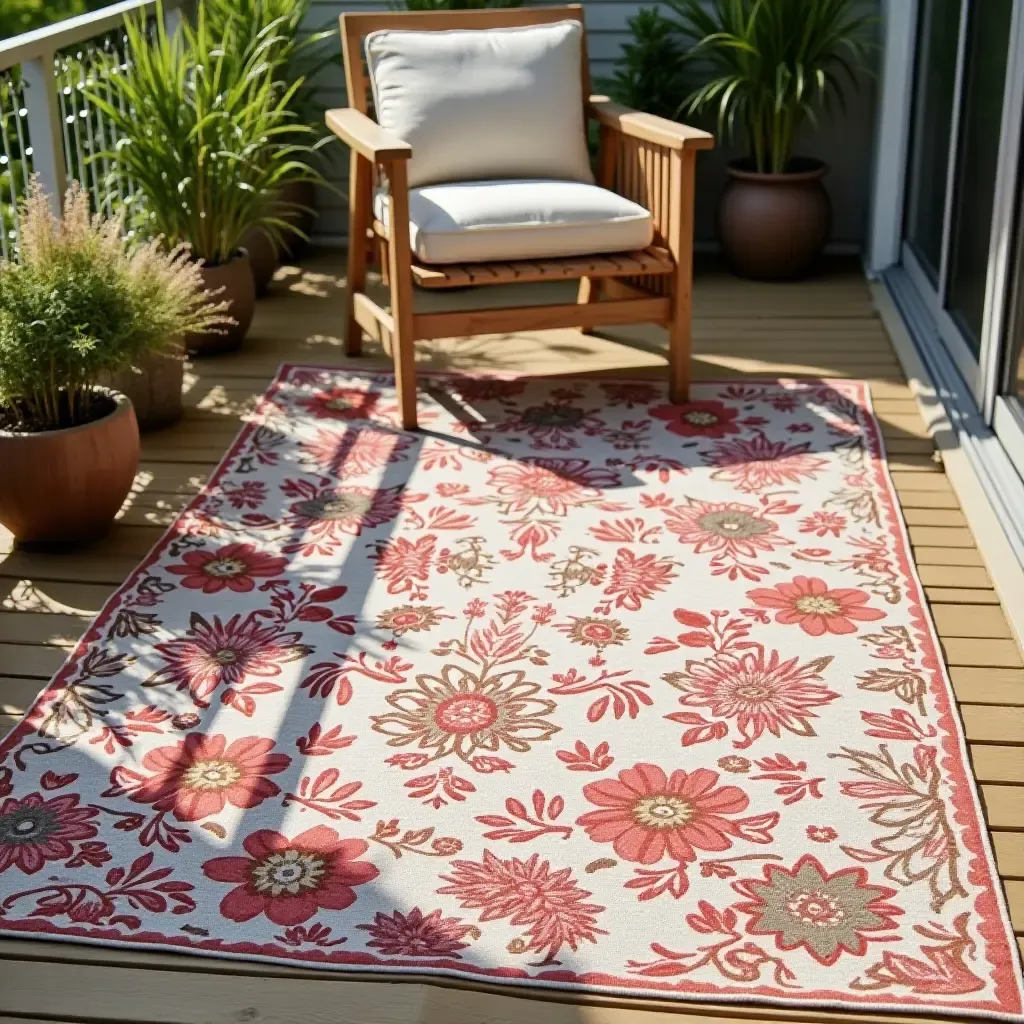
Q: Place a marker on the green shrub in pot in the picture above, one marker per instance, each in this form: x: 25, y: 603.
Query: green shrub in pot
x: 207, y: 134
x: 82, y: 303
x: 771, y: 66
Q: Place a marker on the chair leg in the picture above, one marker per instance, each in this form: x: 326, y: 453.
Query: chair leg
x: 679, y: 360
x: 589, y: 291
x: 400, y: 278
x: 680, y: 243
x: 359, y: 198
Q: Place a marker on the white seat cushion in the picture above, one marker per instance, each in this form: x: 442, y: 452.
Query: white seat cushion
x: 474, y: 221
x: 483, y: 103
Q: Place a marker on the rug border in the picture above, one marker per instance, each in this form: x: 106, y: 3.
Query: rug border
x: 976, y: 835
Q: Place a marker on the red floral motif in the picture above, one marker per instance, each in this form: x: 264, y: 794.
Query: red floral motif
x: 200, y: 775
x: 341, y: 403
x: 823, y: 523
x: 821, y: 833
x: 808, y: 602
x: 807, y: 908
x: 34, y: 830
x: 216, y: 653
x: 726, y: 527
x: 758, y: 464
x: 290, y: 880
x: 234, y: 567
x: 355, y: 452
x: 760, y: 691
x: 418, y: 934
x: 548, y: 903
x: 647, y: 815
x: 698, y: 419
x: 405, y: 564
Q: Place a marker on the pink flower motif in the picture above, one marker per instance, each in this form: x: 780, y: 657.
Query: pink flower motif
x: 200, y: 775
x: 550, y: 486
x: 809, y: 603
x: 646, y: 814
x: 35, y: 830
x: 821, y: 833
x: 404, y: 563
x: 727, y: 527
x: 475, y: 609
x: 698, y: 419
x: 418, y: 934
x: 822, y: 523
x: 234, y: 566
x: 215, y: 653
x: 633, y: 580
x: 762, y: 692
x: 355, y: 452
x: 756, y: 464
x: 529, y: 893
x: 290, y: 880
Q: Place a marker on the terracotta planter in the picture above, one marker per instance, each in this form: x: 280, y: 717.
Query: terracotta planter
x: 774, y: 226
x: 263, y: 258
x: 302, y: 193
x: 64, y: 487
x: 154, y: 388
x: 235, y: 277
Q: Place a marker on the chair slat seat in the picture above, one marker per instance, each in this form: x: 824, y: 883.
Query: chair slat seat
x: 652, y: 260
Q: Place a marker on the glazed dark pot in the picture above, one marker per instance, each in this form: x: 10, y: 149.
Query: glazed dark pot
x: 774, y: 226
x: 64, y: 487
x: 239, y: 291
x: 298, y: 194
x: 263, y: 258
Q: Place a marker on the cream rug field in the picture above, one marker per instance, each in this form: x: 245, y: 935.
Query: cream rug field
x: 573, y: 689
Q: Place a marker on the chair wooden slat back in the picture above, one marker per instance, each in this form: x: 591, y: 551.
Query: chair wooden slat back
x: 355, y: 27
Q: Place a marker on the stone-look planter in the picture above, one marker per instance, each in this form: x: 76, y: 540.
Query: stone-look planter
x: 154, y: 388
x: 774, y: 226
x: 64, y: 487
x: 239, y: 291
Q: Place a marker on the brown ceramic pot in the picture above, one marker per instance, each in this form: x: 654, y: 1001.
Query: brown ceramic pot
x: 64, y: 487
x: 774, y: 226
x: 154, y: 388
x: 300, y: 194
x: 263, y: 258
x: 239, y: 291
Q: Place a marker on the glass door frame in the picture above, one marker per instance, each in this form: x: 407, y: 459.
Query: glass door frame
x: 985, y: 375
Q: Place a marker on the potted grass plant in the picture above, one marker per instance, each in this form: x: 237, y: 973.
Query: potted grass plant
x: 772, y: 66
x: 208, y: 137
x: 82, y: 302
x: 275, y: 28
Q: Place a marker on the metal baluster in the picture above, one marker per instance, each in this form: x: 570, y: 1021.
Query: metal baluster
x: 89, y: 169
x: 108, y: 144
x: 6, y: 93
x: 9, y: 164
x: 76, y: 129
x: 63, y: 91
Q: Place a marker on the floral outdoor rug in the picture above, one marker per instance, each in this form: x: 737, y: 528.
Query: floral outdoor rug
x: 575, y: 688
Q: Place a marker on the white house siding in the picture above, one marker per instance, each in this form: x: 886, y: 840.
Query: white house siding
x: 844, y: 140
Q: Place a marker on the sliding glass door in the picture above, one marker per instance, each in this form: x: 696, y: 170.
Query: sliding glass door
x: 961, y: 96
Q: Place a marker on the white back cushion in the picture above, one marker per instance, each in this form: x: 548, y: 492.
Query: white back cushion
x: 483, y: 103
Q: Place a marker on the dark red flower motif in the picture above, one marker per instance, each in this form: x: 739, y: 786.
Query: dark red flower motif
x: 199, y: 775
x: 234, y: 566
x: 341, y: 404
x: 211, y: 654
x: 34, y: 830
x: 698, y: 419
x: 290, y: 880
x: 418, y: 934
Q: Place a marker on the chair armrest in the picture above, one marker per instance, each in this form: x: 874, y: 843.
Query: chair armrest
x: 648, y: 127
x: 367, y: 137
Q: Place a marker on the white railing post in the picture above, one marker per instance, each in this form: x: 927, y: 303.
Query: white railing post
x: 44, y: 128
x: 173, y: 17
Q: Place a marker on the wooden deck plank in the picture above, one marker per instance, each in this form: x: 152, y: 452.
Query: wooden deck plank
x: 985, y: 623
x: 981, y: 653
x: 988, y: 685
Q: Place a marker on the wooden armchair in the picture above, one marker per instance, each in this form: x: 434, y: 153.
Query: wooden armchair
x: 643, y: 158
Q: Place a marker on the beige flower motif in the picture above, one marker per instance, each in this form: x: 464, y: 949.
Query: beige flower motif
x: 460, y: 713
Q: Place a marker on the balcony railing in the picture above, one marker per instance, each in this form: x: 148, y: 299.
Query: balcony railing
x: 47, y: 125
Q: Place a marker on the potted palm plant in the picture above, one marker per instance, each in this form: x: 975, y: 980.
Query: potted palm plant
x: 83, y: 302
x: 772, y: 66
x: 208, y: 137
x: 275, y: 28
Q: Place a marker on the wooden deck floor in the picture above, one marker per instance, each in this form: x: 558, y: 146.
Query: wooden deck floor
x: 822, y: 327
